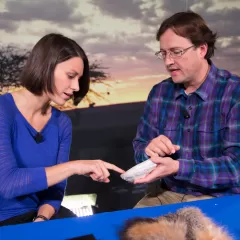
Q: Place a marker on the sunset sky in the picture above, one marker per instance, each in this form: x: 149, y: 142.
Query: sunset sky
x: 120, y: 34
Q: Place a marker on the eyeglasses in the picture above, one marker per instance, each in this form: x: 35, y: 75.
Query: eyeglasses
x: 177, y: 53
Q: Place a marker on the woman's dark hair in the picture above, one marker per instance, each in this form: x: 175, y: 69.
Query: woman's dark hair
x: 38, y: 73
x: 190, y: 25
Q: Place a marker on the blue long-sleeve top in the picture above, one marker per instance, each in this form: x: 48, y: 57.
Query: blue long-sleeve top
x: 23, y: 182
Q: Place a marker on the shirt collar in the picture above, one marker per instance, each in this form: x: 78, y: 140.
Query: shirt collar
x: 205, y: 89
x: 179, y: 91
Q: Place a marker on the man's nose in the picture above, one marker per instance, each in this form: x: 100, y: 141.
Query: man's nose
x: 168, y: 60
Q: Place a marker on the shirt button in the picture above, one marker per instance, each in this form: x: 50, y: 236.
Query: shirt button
x: 188, y: 130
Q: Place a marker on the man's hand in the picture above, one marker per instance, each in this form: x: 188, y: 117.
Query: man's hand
x: 165, y: 166
x: 161, y: 146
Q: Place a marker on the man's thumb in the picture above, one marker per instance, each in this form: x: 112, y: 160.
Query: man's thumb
x: 177, y: 147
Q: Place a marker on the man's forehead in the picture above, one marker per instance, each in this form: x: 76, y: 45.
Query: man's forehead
x: 170, y: 39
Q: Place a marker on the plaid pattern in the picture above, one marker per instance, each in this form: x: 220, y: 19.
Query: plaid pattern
x: 210, y: 139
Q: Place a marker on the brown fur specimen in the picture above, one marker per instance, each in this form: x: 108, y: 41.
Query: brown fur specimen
x: 186, y: 224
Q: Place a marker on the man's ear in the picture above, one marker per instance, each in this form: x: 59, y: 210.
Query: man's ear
x: 203, y: 50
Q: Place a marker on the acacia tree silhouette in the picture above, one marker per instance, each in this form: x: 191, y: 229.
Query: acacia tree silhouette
x: 12, y: 60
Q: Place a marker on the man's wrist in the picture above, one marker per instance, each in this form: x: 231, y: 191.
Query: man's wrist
x: 176, y: 167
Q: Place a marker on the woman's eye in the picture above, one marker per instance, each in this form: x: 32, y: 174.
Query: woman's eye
x: 70, y: 76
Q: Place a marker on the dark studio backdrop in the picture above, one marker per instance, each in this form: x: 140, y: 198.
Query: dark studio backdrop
x: 106, y: 133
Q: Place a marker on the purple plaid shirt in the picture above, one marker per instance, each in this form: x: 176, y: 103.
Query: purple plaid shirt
x: 209, y: 156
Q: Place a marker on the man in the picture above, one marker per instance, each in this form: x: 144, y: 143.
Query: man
x: 191, y: 121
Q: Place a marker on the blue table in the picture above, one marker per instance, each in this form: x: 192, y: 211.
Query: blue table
x: 224, y: 211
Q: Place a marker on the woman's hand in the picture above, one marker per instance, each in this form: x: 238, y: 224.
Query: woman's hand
x: 96, y: 169
x: 38, y: 220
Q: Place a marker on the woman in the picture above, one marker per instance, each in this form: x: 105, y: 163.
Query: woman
x: 35, y: 137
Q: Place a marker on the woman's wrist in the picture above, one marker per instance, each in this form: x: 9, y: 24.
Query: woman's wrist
x: 42, y: 217
x: 45, y: 212
x: 72, y: 167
